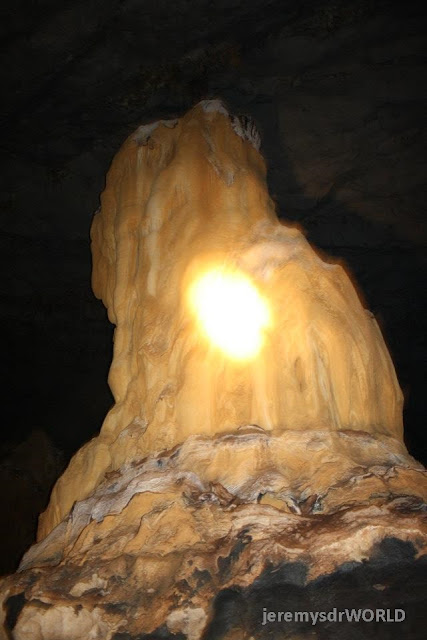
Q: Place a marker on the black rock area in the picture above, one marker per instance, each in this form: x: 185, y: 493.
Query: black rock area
x: 352, y: 600
x: 338, y: 92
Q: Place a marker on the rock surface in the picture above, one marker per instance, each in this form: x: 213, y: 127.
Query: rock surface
x: 181, y: 544
x: 214, y: 482
x: 182, y: 198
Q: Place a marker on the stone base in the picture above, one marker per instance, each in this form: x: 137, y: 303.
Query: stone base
x: 203, y: 541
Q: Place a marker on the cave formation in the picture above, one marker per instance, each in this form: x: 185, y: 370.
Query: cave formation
x: 217, y: 477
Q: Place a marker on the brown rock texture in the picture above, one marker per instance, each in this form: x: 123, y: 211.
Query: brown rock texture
x: 182, y: 196
x: 210, y: 471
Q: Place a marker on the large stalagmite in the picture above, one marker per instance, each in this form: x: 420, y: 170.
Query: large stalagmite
x: 290, y: 448
x: 183, y: 197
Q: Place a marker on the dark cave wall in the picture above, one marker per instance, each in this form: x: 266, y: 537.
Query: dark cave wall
x: 337, y: 91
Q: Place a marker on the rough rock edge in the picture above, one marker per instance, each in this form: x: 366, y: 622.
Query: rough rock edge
x: 259, y: 536
x: 242, y: 125
x: 144, y: 132
x: 160, y: 473
x: 91, y: 576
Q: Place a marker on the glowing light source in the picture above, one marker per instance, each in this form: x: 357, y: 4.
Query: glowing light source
x: 231, y: 312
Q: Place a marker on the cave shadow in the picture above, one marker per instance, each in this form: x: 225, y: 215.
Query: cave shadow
x: 392, y: 580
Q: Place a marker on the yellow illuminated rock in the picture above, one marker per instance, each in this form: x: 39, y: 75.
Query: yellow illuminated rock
x: 255, y: 443
x: 273, y: 336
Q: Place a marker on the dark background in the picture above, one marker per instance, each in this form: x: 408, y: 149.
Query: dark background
x: 338, y: 91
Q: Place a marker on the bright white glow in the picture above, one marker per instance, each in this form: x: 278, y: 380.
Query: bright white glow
x: 230, y: 311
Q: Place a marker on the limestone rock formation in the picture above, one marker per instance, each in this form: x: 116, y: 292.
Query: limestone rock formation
x: 181, y: 197
x: 216, y: 466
